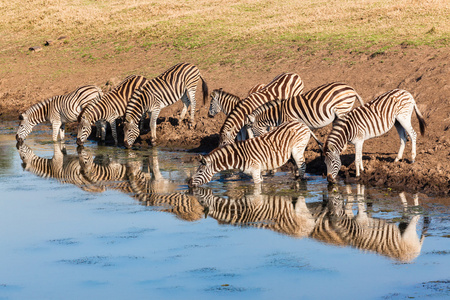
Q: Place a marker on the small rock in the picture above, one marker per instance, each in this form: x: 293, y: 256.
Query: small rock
x: 48, y: 43
x: 35, y: 49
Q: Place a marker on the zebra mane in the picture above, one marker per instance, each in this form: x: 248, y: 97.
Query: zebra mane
x: 224, y: 93
x: 35, y: 108
x: 87, y: 107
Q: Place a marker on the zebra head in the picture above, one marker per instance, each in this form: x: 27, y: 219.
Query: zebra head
x: 333, y: 163
x: 84, y: 130
x: 203, y: 174
x: 25, y: 153
x: 214, y: 108
x: 25, y: 128
x: 254, y: 126
x: 226, y: 138
x: 85, y: 160
x: 131, y: 131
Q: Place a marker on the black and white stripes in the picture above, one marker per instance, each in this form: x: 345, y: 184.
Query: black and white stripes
x: 266, y: 152
x: 373, y: 119
x: 283, y: 86
x: 110, y: 107
x: 57, y: 110
x: 178, y: 82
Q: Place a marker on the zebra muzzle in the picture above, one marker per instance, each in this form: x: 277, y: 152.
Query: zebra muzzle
x: 330, y: 178
x: 79, y: 142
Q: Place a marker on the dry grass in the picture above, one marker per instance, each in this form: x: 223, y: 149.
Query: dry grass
x: 226, y: 26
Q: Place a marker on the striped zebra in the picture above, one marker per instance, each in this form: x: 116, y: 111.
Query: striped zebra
x: 266, y: 152
x: 337, y: 225
x: 225, y: 102
x: 281, y: 87
x: 178, y: 82
x: 57, y: 110
x: 152, y: 189
x: 316, y: 108
x: 64, y: 168
x: 110, y: 107
x: 393, y: 108
x: 283, y: 214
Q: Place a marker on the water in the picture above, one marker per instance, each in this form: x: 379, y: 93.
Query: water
x: 138, y: 232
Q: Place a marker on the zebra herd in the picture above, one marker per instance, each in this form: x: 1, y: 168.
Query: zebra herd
x: 273, y: 123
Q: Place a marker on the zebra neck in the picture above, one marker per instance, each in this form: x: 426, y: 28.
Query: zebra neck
x: 227, y: 158
x: 338, y: 138
x: 38, y: 113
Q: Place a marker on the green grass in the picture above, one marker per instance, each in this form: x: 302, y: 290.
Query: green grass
x: 225, y: 31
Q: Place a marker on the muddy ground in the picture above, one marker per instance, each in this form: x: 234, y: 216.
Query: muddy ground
x: 424, y: 71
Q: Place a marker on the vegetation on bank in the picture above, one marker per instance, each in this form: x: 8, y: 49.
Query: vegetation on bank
x: 225, y: 32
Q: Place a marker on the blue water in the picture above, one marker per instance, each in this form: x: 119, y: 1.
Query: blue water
x: 63, y: 241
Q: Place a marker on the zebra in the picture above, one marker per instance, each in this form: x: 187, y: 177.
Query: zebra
x: 266, y: 152
x: 178, y: 82
x: 393, y: 108
x: 62, y: 167
x: 316, y: 108
x: 57, y: 110
x: 282, y: 86
x: 225, y: 102
x: 152, y: 189
x: 283, y: 214
x: 337, y: 225
x: 110, y: 107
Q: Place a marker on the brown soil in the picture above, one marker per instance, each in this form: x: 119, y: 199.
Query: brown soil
x: 425, y: 72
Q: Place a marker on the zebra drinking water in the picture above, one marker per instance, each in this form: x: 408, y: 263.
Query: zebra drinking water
x: 57, y: 110
x: 266, y: 152
x: 110, y: 107
x: 178, y: 82
x: 373, y: 119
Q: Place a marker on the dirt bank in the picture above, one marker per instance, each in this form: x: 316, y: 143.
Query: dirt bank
x: 425, y: 72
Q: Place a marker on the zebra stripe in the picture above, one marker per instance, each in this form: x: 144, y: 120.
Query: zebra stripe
x: 255, y: 88
x: 110, y: 107
x: 178, y: 82
x: 222, y: 101
x: 57, y: 110
x: 62, y: 167
x: 337, y: 225
x: 316, y: 108
x: 371, y: 120
x: 266, y: 152
x: 282, y: 214
x: 281, y: 87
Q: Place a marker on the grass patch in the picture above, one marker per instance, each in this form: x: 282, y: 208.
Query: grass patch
x: 220, y: 28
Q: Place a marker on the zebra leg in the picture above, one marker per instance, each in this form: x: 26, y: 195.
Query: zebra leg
x: 402, y: 134
x: 406, y: 123
x: 256, y: 174
x: 358, y: 157
x: 186, y: 103
x: 103, y: 127
x: 297, y: 154
x: 56, y: 125
x: 154, y: 117
x: 62, y: 131
x: 192, y: 102
x: 114, y: 131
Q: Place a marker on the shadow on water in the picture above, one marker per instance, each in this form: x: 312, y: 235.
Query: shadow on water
x: 340, y: 219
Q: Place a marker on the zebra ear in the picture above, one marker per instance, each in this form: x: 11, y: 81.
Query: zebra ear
x: 202, y: 159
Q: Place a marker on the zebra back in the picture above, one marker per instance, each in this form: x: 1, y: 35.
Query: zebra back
x: 112, y: 105
x: 265, y: 116
x: 222, y: 101
x: 281, y: 87
x: 319, y: 106
x: 255, y: 88
x: 163, y: 90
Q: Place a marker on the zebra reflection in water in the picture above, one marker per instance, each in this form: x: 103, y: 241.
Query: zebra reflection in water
x: 62, y: 167
x: 152, y: 189
x: 331, y: 221
x: 337, y: 225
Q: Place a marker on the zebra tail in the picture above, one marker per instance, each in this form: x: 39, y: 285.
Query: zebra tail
x: 205, y: 90
x: 422, y: 123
